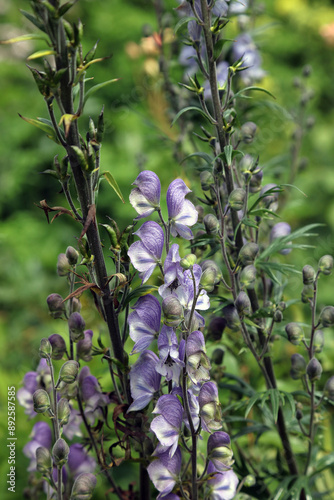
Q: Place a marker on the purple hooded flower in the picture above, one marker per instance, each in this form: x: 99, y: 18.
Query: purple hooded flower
x: 72, y: 428
x: 173, y: 272
x: 84, y: 346
x: 223, y: 485
x: 198, y: 364
x: 219, y: 451
x: 95, y: 400
x: 144, y: 380
x: 181, y: 212
x: 164, y: 472
x: 79, y: 461
x: 146, y: 254
x: 209, y: 407
x: 167, y: 426
x: 145, y: 198
x: 171, y: 355
x: 40, y: 379
x: 41, y: 436
x: 193, y: 406
x: 144, y: 322
x: 186, y: 293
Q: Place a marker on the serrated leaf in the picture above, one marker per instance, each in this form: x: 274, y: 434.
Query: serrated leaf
x: 24, y: 38
x: 40, y: 123
x: 112, y: 182
x: 41, y: 53
x: 190, y: 108
x: 139, y: 292
x: 182, y: 22
x: 97, y: 87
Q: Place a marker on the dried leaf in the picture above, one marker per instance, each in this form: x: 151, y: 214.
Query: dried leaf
x: 89, y: 219
x: 60, y: 211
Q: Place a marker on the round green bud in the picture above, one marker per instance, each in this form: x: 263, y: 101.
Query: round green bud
x: 41, y: 401
x: 249, y: 481
x: 218, y: 356
x: 43, y: 461
x: 69, y: 371
x: 298, y: 366
x: 248, y: 277
x: 72, y: 255
x: 60, y: 452
x: 173, y: 311
x: 295, y: 333
x: 188, y: 261
x: 76, y: 325
x: 211, y: 224
x: 327, y: 316
x: 281, y: 306
x: 247, y: 163
x: 63, y: 265
x: 56, y: 305
x: 256, y: 181
x: 45, y: 349
x: 209, y: 278
x: 248, y: 131
x: 318, y: 341
x: 278, y: 316
x: 325, y: 264
x: 207, y: 180
x: 237, y: 199
x: 76, y: 304
x: 307, y: 293
x: 64, y: 411
x: 248, y: 253
x: 314, y: 370
x: 216, y: 328
x: 58, y: 346
x: 308, y: 275
x: 210, y: 264
x: 231, y: 316
x: 83, y: 487
x: 243, y: 304
x: 329, y: 389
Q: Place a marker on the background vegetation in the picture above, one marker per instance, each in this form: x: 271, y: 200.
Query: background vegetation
x: 138, y: 134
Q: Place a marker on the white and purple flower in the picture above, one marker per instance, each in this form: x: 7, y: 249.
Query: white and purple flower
x: 145, y: 198
x: 146, y: 254
x: 144, y: 380
x: 222, y: 485
x: 144, y: 322
x: 167, y: 426
x: 164, y: 472
x: 181, y: 212
x: 171, y: 355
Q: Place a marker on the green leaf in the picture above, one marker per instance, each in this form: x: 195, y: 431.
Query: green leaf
x: 97, y: 87
x: 33, y: 20
x: 24, y: 38
x: 112, y: 182
x: 257, y: 429
x: 182, y: 22
x: 228, y: 150
x: 218, y: 48
x: 190, y: 108
x: 323, y: 463
x: 65, y: 7
x: 139, y: 292
x: 252, y: 402
x: 290, y: 399
x: 242, y: 91
x: 205, y: 156
x: 41, y: 53
x: 274, y: 395
x: 42, y: 124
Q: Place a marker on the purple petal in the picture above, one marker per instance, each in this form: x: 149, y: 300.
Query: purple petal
x: 152, y: 237
x: 142, y: 260
x: 195, y: 343
x: 208, y: 393
x: 167, y: 434
x: 141, y: 205
x: 149, y: 184
x: 149, y: 311
x: 170, y: 407
x: 79, y: 461
x: 176, y: 193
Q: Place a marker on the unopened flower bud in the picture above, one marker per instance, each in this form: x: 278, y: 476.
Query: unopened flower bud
x: 248, y: 131
x: 63, y: 265
x: 243, y: 304
x: 299, y: 414
x: 248, y: 277
x: 83, y: 487
x: 72, y: 255
x: 64, y: 411
x: 314, y: 370
x: 76, y: 326
x: 211, y: 224
x: 327, y: 316
x: 307, y: 70
x: 218, y: 356
x: 249, y: 481
x: 210, y: 264
x: 248, y: 253
x: 188, y: 261
x: 295, y: 333
x: 76, y: 304
x: 69, y: 371
x: 45, y: 349
x: 200, y: 211
x: 307, y: 294
x: 329, y: 389
x: 237, y: 199
x: 56, y: 305
x: 60, y: 452
x: 278, y: 316
x: 43, y: 461
x: 206, y: 179
x: 256, y: 181
x: 318, y: 341
x: 298, y: 366
x: 209, y: 278
x: 326, y: 264
x: 219, y: 451
x: 308, y: 275
x: 41, y: 401
x: 281, y: 305
x: 58, y: 346
x: 84, y: 346
x: 216, y: 328
x: 173, y: 311
x: 231, y: 316
x: 247, y: 163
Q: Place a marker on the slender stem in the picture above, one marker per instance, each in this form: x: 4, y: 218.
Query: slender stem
x: 68, y: 197
x: 59, y: 483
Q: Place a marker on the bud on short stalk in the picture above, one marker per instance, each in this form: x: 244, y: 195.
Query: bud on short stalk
x: 83, y: 487
x: 327, y: 316
x: 69, y: 371
x: 72, y: 255
x: 216, y: 328
x: 173, y: 311
x: 237, y: 199
x: 248, y: 277
x: 298, y: 366
x: 60, y: 452
x: 318, y: 341
x: 248, y: 253
x: 295, y: 333
x: 218, y: 356
x: 56, y: 305
x: 314, y: 370
x: 45, y: 349
x: 63, y: 265
x: 207, y: 180
x: 41, y: 401
x: 188, y: 261
x: 248, y: 131
x: 329, y: 389
x: 76, y: 326
x: 243, y: 304
x: 43, y: 461
x: 308, y: 275
x: 64, y: 411
x: 209, y: 278
x: 58, y: 346
x: 211, y: 224
x: 325, y: 264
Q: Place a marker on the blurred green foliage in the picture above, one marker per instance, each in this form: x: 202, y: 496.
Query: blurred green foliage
x: 290, y: 35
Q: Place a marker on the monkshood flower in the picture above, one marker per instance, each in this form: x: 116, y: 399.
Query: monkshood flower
x: 79, y: 461
x: 144, y: 322
x: 181, y: 212
x: 164, y: 472
x: 167, y: 426
x: 92, y: 396
x: 83, y: 486
x: 145, y: 198
x: 84, y: 346
x: 144, y: 380
x: 32, y: 381
x: 41, y: 436
x: 245, y: 48
x: 219, y: 451
x: 173, y: 272
x: 190, y: 288
x: 210, y: 413
x: 171, y: 355
x: 198, y: 364
x: 72, y: 428
x: 193, y: 407
x: 223, y: 485
x: 146, y: 254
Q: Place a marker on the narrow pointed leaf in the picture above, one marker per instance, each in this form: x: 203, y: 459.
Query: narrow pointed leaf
x: 33, y: 20
x: 39, y: 123
x: 205, y: 156
x: 94, y: 89
x: 252, y: 402
x: 182, y: 22
x: 112, y: 182
x: 190, y: 108
x: 41, y: 53
x: 24, y: 38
